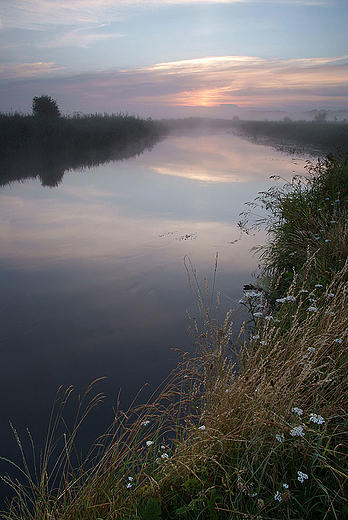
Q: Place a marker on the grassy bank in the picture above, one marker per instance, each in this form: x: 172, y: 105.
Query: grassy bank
x: 325, y: 136
x: 255, y: 428
x: 319, y: 137
x: 92, y: 131
x: 46, y: 147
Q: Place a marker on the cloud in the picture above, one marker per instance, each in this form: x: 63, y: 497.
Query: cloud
x: 11, y: 71
x: 34, y: 14
x: 207, y: 82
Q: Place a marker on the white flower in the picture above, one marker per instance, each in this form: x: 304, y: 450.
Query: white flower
x: 145, y: 423
x: 312, y: 309
x: 297, y: 432
x: 318, y: 419
x: 164, y: 456
x: 129, y: 485
x: 318, y: 285
x: 286, y: 486
x: 149, y: 443
x: 331, y: 295
x: 338, y: 340
x: 202, y: 427
x: 291, y: 298
x: 278, y: 496
x: 297, y: 410
x: 302, y: 476
x: 311, y: 349
x: 280, y: 438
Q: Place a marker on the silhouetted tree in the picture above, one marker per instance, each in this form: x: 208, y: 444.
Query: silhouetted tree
x: 45, y: 106
x: 320, y: 117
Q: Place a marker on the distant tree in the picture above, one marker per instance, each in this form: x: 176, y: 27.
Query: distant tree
x: 235, y: 119
x: 45, y: 106
x: 320, y: 117
x: 287, y: 119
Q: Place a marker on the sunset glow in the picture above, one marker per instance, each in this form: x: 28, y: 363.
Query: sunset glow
x: 155, y: 57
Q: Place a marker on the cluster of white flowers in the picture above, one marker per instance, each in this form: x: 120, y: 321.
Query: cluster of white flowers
x: 288, y: 298
x: 278, y: 496
x: 302, y: 476
x: 280, y: 438
x: 145, y: 423
x: 297, y: 432
x: 312, y: 309
x: 149, y: 443
x: 202, y: 427
x: 129, y: 485
x: 297, y: 410
x: 339, y: 340
x: 318, y: 419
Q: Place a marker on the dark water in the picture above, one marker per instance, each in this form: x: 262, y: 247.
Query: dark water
x: 92, y: 276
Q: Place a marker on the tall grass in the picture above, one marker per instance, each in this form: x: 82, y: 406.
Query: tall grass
x: 249, y: 428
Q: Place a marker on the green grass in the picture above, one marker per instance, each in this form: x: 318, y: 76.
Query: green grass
x: 254, y: 428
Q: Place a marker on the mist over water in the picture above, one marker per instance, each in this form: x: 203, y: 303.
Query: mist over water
x: 93, y: 277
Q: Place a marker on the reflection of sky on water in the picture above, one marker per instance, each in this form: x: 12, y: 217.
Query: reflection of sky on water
x: 92, y: 274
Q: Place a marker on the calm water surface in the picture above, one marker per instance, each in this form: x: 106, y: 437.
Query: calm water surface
x: 92, y: 276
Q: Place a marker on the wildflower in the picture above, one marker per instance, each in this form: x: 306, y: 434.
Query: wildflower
x: 164, y: 456
x: 318, y: 419
x: 331, y: 295
x: 129, y: 485
x: 297, y: 432
x: 149, y: 443
x: 338, y: 340
x: 311, y: 349
x: 202, y: 427
x: 252, y: 495
x: 290, y: 298
x: 302, y: 476
x: 304, y: 290
x: 145, y: 423
x: 163, y: 447
x: 312, y: 309
x: 297, y: 410
x: 280, y: 438
x: 263, y: 342
x: 327, y: 240
x: 258, y: 314
x: 278, y: 496
x: 332, y: 221
x: 286, y: 486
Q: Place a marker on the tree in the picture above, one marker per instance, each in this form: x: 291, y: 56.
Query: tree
x: 45, y: 106
x: 320, y: 117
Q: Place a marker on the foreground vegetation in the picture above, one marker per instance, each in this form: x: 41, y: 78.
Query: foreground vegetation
x: 252, y: 428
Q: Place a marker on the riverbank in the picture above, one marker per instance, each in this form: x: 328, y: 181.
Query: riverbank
x: 259, y: 434
x: 46, y: 147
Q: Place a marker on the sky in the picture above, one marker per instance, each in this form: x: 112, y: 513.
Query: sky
x: 174, y: 58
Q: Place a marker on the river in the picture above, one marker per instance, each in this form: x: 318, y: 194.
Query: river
x: 93, y: 282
